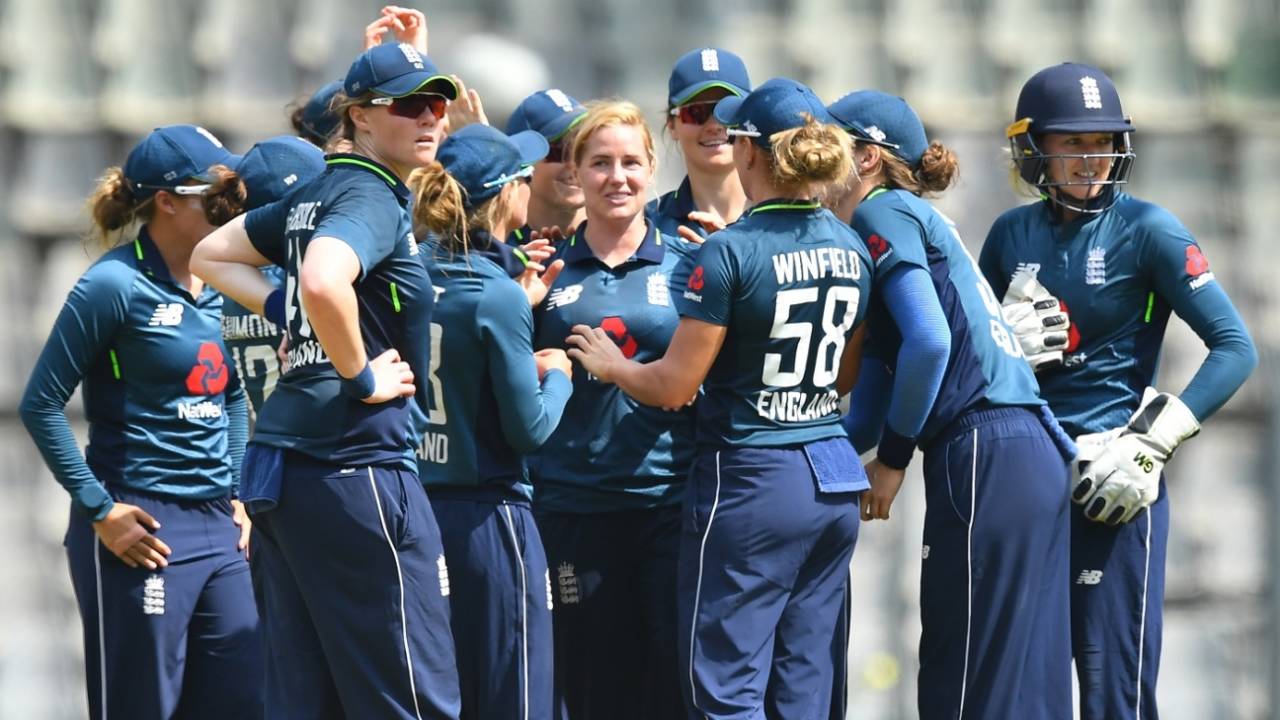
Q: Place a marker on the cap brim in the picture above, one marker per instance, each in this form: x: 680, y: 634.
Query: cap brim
x: 726, y: 111
x: 1085, y: 126
x: 687, y: 93
x: 531, y: 146
x: 418, y: 82
x: 231, y: 160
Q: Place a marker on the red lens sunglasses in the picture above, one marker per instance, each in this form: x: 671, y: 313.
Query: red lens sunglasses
x: 695, y: 113
x: 412, y: 106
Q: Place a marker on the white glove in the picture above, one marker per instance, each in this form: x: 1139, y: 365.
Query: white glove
x: 1123, y: 478
x: 1037, y: 320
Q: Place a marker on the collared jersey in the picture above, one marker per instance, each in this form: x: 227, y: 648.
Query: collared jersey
x: 487, y: 408
x: 986, y: 367
x: 610, y: 452
x: 365, y: 206
x: 671, y: 210
x: 159, y: 393
x: 253, y: 341
x: 1118, y: 274
x: 790, y: 282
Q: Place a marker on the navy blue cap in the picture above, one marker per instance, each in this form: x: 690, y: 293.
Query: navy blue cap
x: 885, y: 120
x: 395, y: 71
x: 548, y: 112
x: 779, y: 104
x: 483, y: 159
x: 1072, y: 97
x: 318, y: 118
x: 698, y: 70
x: 172, y: 155
x: 274, y: 166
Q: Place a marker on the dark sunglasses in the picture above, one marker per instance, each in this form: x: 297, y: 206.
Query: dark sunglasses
x: 555, y: 152
x: 695, y: 113
x: 412, y: 106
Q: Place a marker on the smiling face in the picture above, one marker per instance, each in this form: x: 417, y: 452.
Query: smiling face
x: 615, y: 170
x: 706, y: 146
x: 555, y: 184
x: 1075, y: 177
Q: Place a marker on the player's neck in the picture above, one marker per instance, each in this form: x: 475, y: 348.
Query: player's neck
x: 718, y: 191
x: 176, y: 253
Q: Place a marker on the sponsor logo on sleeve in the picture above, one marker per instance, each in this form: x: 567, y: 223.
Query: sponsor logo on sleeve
x: 879, y: 248
x: 1198, y: 268
x: 697, y: 279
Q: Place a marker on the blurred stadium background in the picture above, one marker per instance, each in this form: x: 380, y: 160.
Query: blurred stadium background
x: 81, y: 80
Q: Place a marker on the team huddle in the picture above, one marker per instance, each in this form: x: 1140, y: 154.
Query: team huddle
x: 409, y: 417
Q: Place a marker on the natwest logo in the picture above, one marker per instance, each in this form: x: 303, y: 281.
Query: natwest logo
x: 697, y: 279
x: 209, y: 376
x: 203, y: 410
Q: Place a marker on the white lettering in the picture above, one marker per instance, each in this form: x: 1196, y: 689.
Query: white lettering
x: 815, y: 264
x: 306, y: 353
x: 790, y: 406
x: 205, y: 410
x: 434, y: 448
x: 301, y: 217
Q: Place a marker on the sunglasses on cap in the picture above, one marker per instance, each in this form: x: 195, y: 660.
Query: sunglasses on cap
x: 412, y: 106
x: 695, y: 113
x: 523, y: 174
x: 177, y: 189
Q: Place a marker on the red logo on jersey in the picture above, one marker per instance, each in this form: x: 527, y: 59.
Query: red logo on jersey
x: 1073, y: 332
x: 209, y: 376
x: 696, y: 280
x: 878, y: 247
x: 1196, y: 263
x: 617, y: 330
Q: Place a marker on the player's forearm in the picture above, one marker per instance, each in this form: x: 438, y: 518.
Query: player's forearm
x: 659, y: 383
x: 227, y: 260
x: 334, y: 314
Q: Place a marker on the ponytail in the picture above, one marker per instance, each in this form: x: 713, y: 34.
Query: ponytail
x: 112, y: 207
x: 225, y: 197
x: 938, y: 170
x: 439, y: 205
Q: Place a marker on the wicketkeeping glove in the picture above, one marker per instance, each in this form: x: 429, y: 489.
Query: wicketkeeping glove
x: 1123, y: 477
x: 1037, y: 320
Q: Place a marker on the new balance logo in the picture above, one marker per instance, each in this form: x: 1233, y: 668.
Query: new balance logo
x: 568, y: 581
x: 1033, y: 268
x: 442, y: 570
x: 167, y: 314
x: 153, y: 595
x: 564, y: 296
x: 1089, y: 577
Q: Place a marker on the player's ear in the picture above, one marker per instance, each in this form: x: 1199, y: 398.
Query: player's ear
x: 359, y: 117
x: 165, y: 202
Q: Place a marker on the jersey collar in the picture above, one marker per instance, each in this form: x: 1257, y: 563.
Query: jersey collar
x: 785, y: 205
x: 148, y: 255
x: 360, y: 162
x: 679, y: 203
x: 651, y: 250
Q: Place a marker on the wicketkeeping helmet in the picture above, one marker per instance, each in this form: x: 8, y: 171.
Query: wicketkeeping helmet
x: 1070, y: 98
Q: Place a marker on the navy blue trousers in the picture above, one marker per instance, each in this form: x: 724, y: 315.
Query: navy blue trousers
x: 1117, y: 596
x: 993, y: 601
x: 763, y: 562
x: 613, y: 576
x: 177, y: 642
x: 353, y: 585
x: 501, y: 597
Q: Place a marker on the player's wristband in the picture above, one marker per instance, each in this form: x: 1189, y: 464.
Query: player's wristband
x: 362, y: 385
x: 273, y: 308
x: 895, y: 450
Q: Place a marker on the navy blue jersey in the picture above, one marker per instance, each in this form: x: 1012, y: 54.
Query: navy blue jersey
x: 1119, y: 274
x: 487, y: 408
x: 253, y: 341
x: 362, y: 204
x: 611, y: 452
x: 671, y: 210
x: 790, y: 281
x: 158, y: 392
x: 986, y: 367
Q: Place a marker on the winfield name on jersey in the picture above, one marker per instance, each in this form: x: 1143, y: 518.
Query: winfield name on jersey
x: 794, y: 406
x: 805, y: 265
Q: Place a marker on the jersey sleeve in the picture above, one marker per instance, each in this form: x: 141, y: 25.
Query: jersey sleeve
x: 529, y: 410
x: 709, y: 291
x: 265, y: 226
x: 869, y: 403
x: 990, y: 261
x: 237, y: 406
x: 362, y: 217
x: 1178, y: 270
x: 95, y: 310
x: 893, y: 235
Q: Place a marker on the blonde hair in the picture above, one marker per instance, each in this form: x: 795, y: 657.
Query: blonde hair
x: 813, y: 153
x: 340, y: 106
x: 606, y: 113
x: 439, y: 205
x: 938, y: 170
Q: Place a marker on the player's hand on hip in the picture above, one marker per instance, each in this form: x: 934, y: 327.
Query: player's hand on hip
x: 1123, y: 477
x: 126, y: 532
x: 885, y: 484
x: 392, y: 378
x: 552, y: 358
x: 596, y: 351
x: 240, y: 517
x: 1037, y: 319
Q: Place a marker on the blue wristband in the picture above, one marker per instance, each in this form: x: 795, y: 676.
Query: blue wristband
x: 362, y: 385
x: 273, y: 308
x: 895, y: 450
